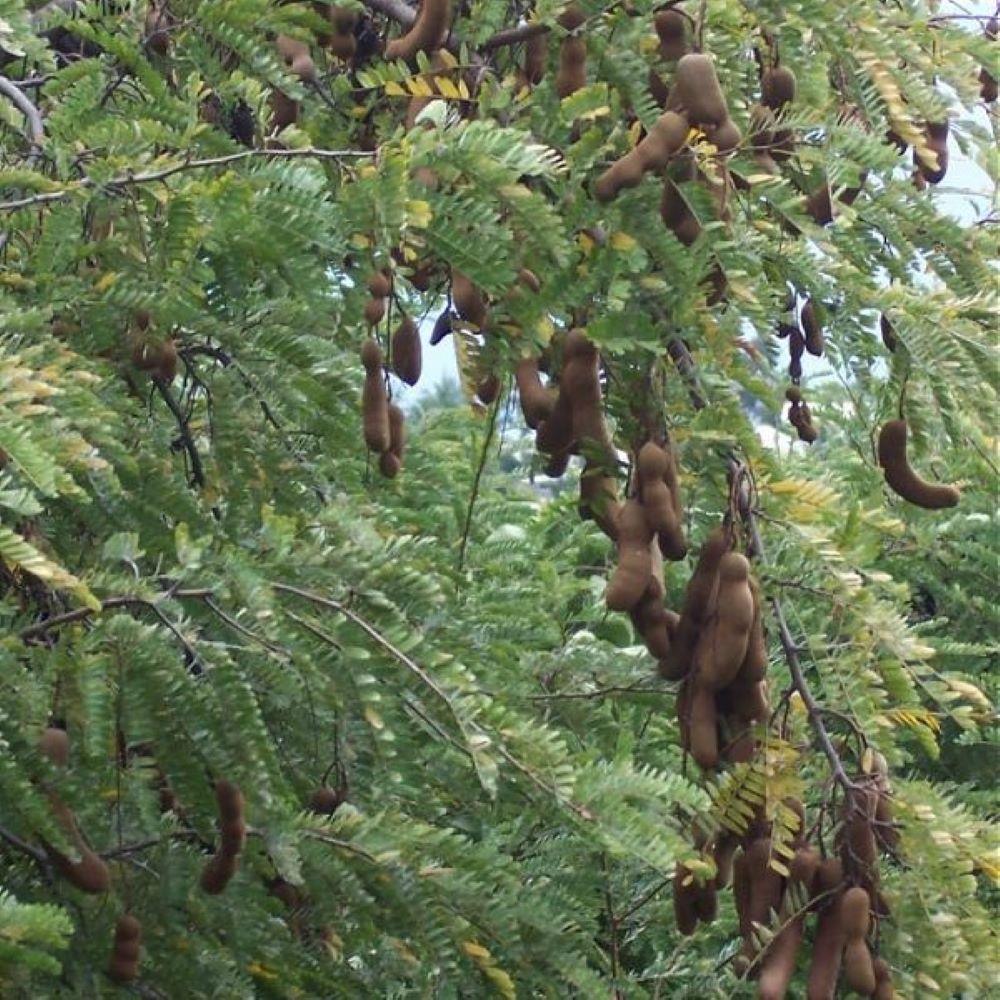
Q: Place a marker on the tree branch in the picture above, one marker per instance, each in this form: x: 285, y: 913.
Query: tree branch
x: 484, y: 455
x: 197, y: 469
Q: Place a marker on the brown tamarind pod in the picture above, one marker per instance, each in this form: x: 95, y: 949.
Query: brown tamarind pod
x: 599, y: 499
x: 572, y: 17
x: 697, y: 601
x: 442, y: 327
x: 374, y: 401
x: 124, y: 964
x: 580, y: 381
x: 391, y: 462
x: 671, y: 27
x: 698, y: 90
x: 631, y: 576
x: 796, y: 347
x: 374, y: 311
x: 819, y: 205
x: 812, y: 329
x: 722, y: 644
x: 54, y: 744
x: 658, y: 501
x: 723, y: 852
x: 777, y: 87
x: 889, y: 337
x: 232, y: 836
x: 555, y: 432
x: 937, y: 141
x: 754, y: 665
x: 663, y: 140
x: 685, y: 900
x: 703, y: 726
x: 297, y: 57
x: 218, y: 873
x: 758, y: 884
x: 468, y: 300
x: 326, y: 800
x: 725, y: 136
x: 778, y: 964
x: 859, y: 973
x: 407, y: 361
x: 536, y: 399
x: 425, y: 33
x: 706, y: 903
x: 379, y: 285
x: 883, y: 980
x: 827, y: 954
x: 90, y: 873
x: 858, y: 847
x: 488, y: 388
x: 900, y: 476
x: 572, y: 73
x: 156, y: 33
x: 988, y: 89
x: 536, y: 54
x: 655, y: 623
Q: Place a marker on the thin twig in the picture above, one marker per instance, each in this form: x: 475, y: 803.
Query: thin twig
x: 125, y: 181
x: 25, y: 848
x: 197, y: 470
x: 483, y: 456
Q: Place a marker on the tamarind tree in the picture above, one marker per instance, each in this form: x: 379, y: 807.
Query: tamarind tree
x: 314, y: 689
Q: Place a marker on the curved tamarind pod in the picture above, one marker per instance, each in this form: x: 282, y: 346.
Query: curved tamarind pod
x: 706, y: 904
x: 580, y: 381
x: 937, y: 141
x: 326, y: 800
x: 296, y: 56
x: 468, y: 300
x: 703, y: 727
x: 658, y: 500
x: 631, y: 576
x: 378, y: 284
x: 536, y: 399
x: 697, y: 600
x: 407, y: 360
x: 698, y: 90
x: 374, y: 311
x: 796, y: 346
x: 442, y: 327
x: 124, y: 964
x: 677, y: 215
x: 859, y: 973
x: 425, y: 33
x: 827, y: 954
x: 812, y: 329
x: 232, y: 836
x: 655, y: 623
x: 54, y: 744
x: 722, y: 645
x: 858, y: 848
x: 754, y: 665
x: 390, y: 462
x: 725, y: 136
x: 572, y: 73
x: 536, y: 53
x: 599, y: 499
x: 777, y: 87
x: 883, y: 980
x: 663, y: 140
x: 374, y: 401
x: 901, y: 478
x: 671, y: 27
x: 889, y: 337
x: 90, y: 873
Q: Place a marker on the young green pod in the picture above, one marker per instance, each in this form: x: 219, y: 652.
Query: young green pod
x: 900, y: 476
x: 425, y: 33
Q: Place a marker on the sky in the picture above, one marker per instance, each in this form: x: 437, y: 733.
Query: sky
x: 952, y: 195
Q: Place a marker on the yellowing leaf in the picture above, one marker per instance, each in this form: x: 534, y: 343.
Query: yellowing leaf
x: 393, y: 89
x: 622, y: 241
x: 475, y: 950
x: 105, y: 281
x: 502, y: 982
x: 446, y: 88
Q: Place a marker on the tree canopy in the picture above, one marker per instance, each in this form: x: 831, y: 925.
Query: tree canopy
x: 656, y: 665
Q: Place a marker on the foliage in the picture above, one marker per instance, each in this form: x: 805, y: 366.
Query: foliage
x: 204, y: 577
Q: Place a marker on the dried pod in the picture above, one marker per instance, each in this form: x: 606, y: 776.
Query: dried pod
x: 722, y: 644
x: 663, y: 140
x: 900, y: 476
x: 812, y: 329
x: 883, y: 979
x: 889, y: 337
x: 124, y: 964
x: 326, y: 800
x: 374, y: 401
x: 572, y: 73
x: 90, y: 873
x: 631, y: 577
x: 855, y: 917
x: 391, y: 462
x: 703, y: 726
x: 442, y: 327
x: 658, y: 500
x: 987, y: 84
x: 536, y: 53
x: 425, y: 33
x: 374, y: 311
x: 159, y: 24
x: 296, y: 56
x: 580, y: 382
x: 488, y: 388
x: 698, y: 90
x: 819, y: 205
x: 407, y: 360
x: 757, y: 887
x: 232, y: 836
x: 599, y: 499
x: 379, y: 285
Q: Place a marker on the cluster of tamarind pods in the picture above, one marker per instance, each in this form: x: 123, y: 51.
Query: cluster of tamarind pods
x: 89, y: 872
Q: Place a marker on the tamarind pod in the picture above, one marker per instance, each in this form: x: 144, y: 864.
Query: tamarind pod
x: 796, y: 346
x: 536, y: 52
x: 442, y: 327
x: 706, y: 903
x: 425, y: 33
x: 889, y: 337
x: 778, y: 87
x: 229, y: 800
x: 812, y: 329
x: 723, y: 853
x: 572, y: 73
x: 218, y: 872
x: 625, y: 172
x: 754, y: 665
x: 631, y: 576
x: 342, y: 44
x: 793, y: 394
x: 682, y: 712
x: 124, y: 964
x: 685, y: 897
x: 671, y: 27
x: 599, y: 500
x: 761, y: 125
x: 858, y: 971
x: 90, y: 873
x: 827, y: 953
x: 819, y: 205
x: 725, y: 136
x: 407, y: 361
x: 379, y: 285
x: 722, y: 646
x: 157, y: 28
x: 855, y: 912
x: 374, y: 401
x: 988, y: 91
x: 883, y: 980
x: 698, y: 90
x: 580, y: 382
x: 778, y: 964
x: 900, y: 476
x: 536, y: 399
x: 296, y: 56
x: 657, y: 88
x: 555, y: 432
x: 374, y: 311
x: 326, y: 800
x: 468, y: 300
x: 572, y: 17
x: 764, y: 886
x: 557, y: 464
x: 857, y: 837
x: 397, y: 431
x: 657, y: 501
x: 488, y: 388
x: 677, y: 215
x: 704, y: 728
x: 744, y: 702
x: 937, y: 141
x: 829, y: 877
x: 54, y: 744
x: 663, y: 140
